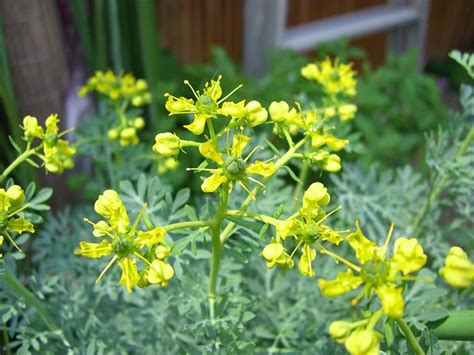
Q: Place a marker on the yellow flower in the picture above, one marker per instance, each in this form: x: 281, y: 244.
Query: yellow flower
x: 343, y: 283
x: 232, y: 168
x: 307, y: 257
x: 58, y: 157
x: 167, y: 144
x: 32, y: 128
x: 126, y: 242
x: 335, y: 78
x: 128, y: 136
x: 363, y: 247
x: 208, y: 105
x: 346, y: 111
x: 363, y: 342
x: 255, y: 114
x: 139, y: 122
x: 314, y: 198
x: 458, y: 270
x: 340, y: 330
x: 332, y: 163
x: 392, y: 300
x: 320, y: 139
x: 275, y: 254
x: 408, y: 256
x: 160, y: 273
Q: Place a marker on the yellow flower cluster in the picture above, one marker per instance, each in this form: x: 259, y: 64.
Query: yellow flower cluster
x: 335, y: 78
x: 306, y: 228
x: 118, y: 87
x: 12, y: 220
x: 128, y: 243
x: 376, y: 272
x: 358, y: 338
x: 126, y: 131
x: 210, y: 103
x: 57, y: 154
x: 458, y: 270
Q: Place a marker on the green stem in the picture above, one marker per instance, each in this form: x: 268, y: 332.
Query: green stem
x: 438, y: 185
x: 187, y: 224
x: 30, y: 299
x: 217, y: 248
x: 457, y: 326
x: 302, y: 179
x: 250, y: 198
x: 6, y: 340
x: 409, y: 336
x: 20, y: 159
x: 257, y: 216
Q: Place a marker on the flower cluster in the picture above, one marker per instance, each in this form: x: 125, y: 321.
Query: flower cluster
x: 122, y: 91
x: 307, y: 229
x: 377, y: 273
x: 118, y: 87
x: 57, y: 154
x: 12, y: 218
x: 128, y: 243
x: 209, y: 104
x: 335, y: 78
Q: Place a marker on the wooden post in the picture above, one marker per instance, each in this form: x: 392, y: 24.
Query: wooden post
x: 264, y: 25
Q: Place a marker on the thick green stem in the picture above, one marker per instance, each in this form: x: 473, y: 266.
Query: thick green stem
x: 20, y: 159
x: 250, y: 198
x: 216, y: 249
x: 457, y: 326
x: 30, y: 299
x: 438, y: 185
x: 410, y: 336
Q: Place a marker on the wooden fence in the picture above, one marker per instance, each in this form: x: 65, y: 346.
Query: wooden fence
x: 190, y: 27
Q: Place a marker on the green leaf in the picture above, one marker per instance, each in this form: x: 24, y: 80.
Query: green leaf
x: 253, y: 225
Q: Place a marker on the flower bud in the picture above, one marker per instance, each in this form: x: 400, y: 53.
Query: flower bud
x: 458, y: 270
x: 340, y: 330
x: 346, y: 111
x: 112, y: 134
x: 363, y: 341
x: 16, y: 195
x: 139, y: 123
x: 31, y: 128
x: 128, y: 136
x: 160, y: 273
x: 332, y: 163
x: 137, y: 101
x: 256, y: 114
x: 162, y: 251
x: 279, y: 111
x: 167, y: 144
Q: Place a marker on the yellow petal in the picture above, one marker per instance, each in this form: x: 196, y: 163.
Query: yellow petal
x: 391, y: 299
x: 208, y: 150
x: 130, y: 276
x: 94, y: 250
x: 239, y: 143
x: 212, y: 183
x: 363, y: 247
x: 363, y: 342
x: 458, y: 270
x: 261, y: 168
x: 197, y: 126
x: 343, y: 283
x: 150, y: 238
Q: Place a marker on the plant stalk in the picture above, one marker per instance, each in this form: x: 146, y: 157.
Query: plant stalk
x: 30, y: 299
x: 20, y: 159
x: 410, y: 336
x: 217, y: 246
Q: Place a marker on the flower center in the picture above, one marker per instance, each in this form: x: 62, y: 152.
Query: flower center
x: 234, y: 168
x: 206, y: 104
x: 122, y: 245
x: 374, y: 272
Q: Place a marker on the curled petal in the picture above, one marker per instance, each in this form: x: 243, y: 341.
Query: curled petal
x: 130, y: 276
x: 343, y: 283
x: 408, y: 256
x: 212, y: 183
x: 94, y: 250
x: 239, y: 143
x: 197, y: 126
x: 208, y: 150
x: 160, y: 272
x: 150, y: 238
x: 261, y: 168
